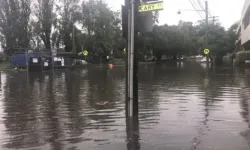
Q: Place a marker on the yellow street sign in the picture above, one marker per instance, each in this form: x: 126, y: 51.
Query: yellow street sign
x: 206, y: 51
x: 85, y: 53
x: 151, y: 6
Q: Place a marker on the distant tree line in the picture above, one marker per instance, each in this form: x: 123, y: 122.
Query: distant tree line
x: 189, y: 40
x: 76, y: 25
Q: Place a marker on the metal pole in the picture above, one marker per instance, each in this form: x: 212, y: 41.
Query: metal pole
x: 248, y: 113
x: 73, y: 41
x: 27, y: 61
x: 85, y: 58
x: 206, y: 36
x: 27, y: 68
x: 126, y: 25
x: 129, y: 46
x: 53, y: 63
x: 131, y: 79
x: 128, y: 58
x: 214, y: 19
x: 206, y: 10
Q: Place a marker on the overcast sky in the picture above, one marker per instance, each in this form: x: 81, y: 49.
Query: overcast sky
x: 229, y: 11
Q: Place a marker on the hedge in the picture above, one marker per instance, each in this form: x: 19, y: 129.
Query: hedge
x: 242, y: 56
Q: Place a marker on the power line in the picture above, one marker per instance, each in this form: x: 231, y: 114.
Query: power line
x: 200, y: 7
x: 195, y: 8
x: 200, y: 4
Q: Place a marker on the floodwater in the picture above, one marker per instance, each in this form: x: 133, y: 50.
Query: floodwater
x: 183, y: 106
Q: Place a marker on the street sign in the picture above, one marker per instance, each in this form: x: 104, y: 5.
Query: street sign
x: 151, y: 6
x: 206, y: 51
x: 85, y: 53
x: 145, y: 22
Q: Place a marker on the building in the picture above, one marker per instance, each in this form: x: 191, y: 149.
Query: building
x: 243, y: 31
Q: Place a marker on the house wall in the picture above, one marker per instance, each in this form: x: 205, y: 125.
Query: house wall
x: 245, y: 23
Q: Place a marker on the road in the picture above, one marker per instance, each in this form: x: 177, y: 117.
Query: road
x: 183, y: 106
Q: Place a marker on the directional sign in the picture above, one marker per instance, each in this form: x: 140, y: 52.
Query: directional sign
x: 206, y: 51
x: 151, y: 6
x: 85, y: 53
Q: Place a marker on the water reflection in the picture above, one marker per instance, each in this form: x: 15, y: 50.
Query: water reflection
x: 20, y: 111
x: 182, y: 106
x: 206, y: 65
x: 133, y: 133
x: 180, y: 64
x: 244, y: 95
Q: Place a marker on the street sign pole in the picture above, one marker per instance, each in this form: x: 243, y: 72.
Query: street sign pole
x: 206, y: 52
x: 206, y: 34
x: 130, y: 15
x: 128, y: 60
x: 131, y: 58
x: 86, y: 62
x: 85, y: 54
x: 136, y: 61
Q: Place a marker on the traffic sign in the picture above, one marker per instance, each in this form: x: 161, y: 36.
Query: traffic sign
x: 206, y: 51
x: 151, y: 6
x: 85, y: 53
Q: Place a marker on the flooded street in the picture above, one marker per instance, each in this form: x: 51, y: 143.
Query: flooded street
x: 182, y: 107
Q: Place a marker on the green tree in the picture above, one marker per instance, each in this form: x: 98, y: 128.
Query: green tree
x: 69, y: 12
x: 187, y: 39
x: 44, y: 13
x: 103, y: 29
x: 232, y: 37
x: 14, y: 20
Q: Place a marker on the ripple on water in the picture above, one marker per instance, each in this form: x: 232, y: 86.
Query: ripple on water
x: 185, y: 107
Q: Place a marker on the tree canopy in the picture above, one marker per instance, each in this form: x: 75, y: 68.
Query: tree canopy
x: 76, y: 25
x: 189, y: 39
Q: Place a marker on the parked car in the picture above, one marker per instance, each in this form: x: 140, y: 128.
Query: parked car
x: 79, y: 62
